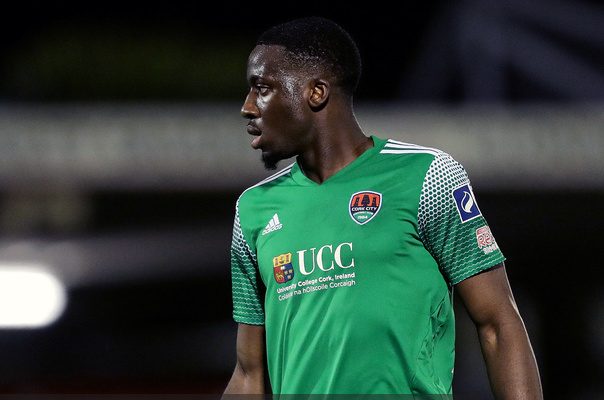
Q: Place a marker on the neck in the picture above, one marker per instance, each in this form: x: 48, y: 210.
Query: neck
x: 338, y: 142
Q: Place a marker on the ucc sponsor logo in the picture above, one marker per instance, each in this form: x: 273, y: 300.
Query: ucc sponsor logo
x: 331, y: 265
x: 325, y: 258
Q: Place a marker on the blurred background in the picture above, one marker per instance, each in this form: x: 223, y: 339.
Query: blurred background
x: 122, y: 153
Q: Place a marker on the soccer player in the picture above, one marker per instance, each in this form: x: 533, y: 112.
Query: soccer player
x: 345, y: 262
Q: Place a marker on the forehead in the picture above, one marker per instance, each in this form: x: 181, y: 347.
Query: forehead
x: 267, y: 61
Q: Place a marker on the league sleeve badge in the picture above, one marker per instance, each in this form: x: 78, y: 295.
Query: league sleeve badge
x: 467, y: 208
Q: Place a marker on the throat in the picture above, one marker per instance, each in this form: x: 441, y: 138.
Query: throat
x: 327, y: 161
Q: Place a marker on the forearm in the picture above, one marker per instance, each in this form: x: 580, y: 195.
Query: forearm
x: 243, y: 382
x: 510, y: 361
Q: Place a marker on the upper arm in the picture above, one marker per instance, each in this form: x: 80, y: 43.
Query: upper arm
x: 248, y: 310
x: 488, y: 297
x: 511, y: 363
x: 450, y: 224
x: 248, y: 376
x: 247, y: 285
x: 250, y: 348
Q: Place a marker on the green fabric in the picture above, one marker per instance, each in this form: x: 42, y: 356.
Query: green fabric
x: 355, y: 291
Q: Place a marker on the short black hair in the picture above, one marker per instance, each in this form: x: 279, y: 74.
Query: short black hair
x: 319, y: 41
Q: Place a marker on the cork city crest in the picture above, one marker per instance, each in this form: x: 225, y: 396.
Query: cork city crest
x: 283, y: 268
x: 364, y: 206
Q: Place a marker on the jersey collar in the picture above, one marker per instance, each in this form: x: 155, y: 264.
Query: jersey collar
x: 301, y: 179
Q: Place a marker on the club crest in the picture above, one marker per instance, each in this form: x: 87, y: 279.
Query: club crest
x: 365, y: 205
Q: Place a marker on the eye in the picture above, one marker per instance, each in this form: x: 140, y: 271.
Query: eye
x: 262, y: 90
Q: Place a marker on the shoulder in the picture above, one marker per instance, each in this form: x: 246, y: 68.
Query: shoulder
x: 397, y: 147
x: 432, y: 167
x: 425, y: 159
x: 252, y: 193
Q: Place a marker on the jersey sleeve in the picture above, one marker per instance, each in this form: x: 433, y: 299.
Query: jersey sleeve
x: 248, y: 305
x: 451, y: 225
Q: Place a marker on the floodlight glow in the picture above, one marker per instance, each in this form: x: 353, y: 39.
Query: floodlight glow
x: 30, y: 297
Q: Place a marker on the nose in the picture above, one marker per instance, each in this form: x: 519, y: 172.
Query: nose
x: 249, y: 109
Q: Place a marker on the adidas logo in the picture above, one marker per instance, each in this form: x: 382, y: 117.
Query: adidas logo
x: 273, y: 225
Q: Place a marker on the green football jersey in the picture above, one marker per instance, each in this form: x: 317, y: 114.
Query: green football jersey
x: 353, y: 277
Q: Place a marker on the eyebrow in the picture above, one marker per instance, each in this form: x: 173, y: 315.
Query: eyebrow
x: 253, y: 79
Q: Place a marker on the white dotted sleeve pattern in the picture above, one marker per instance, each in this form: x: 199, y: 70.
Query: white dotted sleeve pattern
x: 247, y: 297
x: 454, y: 244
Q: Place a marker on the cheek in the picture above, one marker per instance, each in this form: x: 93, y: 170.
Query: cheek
x: 284, y: 114
x: 295, y: 106
x: 297, y: 103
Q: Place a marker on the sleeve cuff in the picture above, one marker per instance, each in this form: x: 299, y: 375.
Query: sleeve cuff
x: 249, y: 319
x: 468, y: 273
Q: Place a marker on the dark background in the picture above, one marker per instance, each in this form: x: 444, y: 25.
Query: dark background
x: 548, y: 50
x: 173, y: 333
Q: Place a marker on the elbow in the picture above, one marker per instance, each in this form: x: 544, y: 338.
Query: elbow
x: 501, y: 331
x: 244, y: 381
x: 489, y: 335
x: 251, y: 372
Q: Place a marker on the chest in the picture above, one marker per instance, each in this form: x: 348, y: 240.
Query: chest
x: 320, y: 234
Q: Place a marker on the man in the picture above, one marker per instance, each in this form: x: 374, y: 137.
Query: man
x: 344, y: 263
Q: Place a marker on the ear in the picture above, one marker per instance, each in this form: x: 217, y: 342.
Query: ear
x: 319, y: 94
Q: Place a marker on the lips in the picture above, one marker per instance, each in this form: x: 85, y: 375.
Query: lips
x: 253, y: 130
